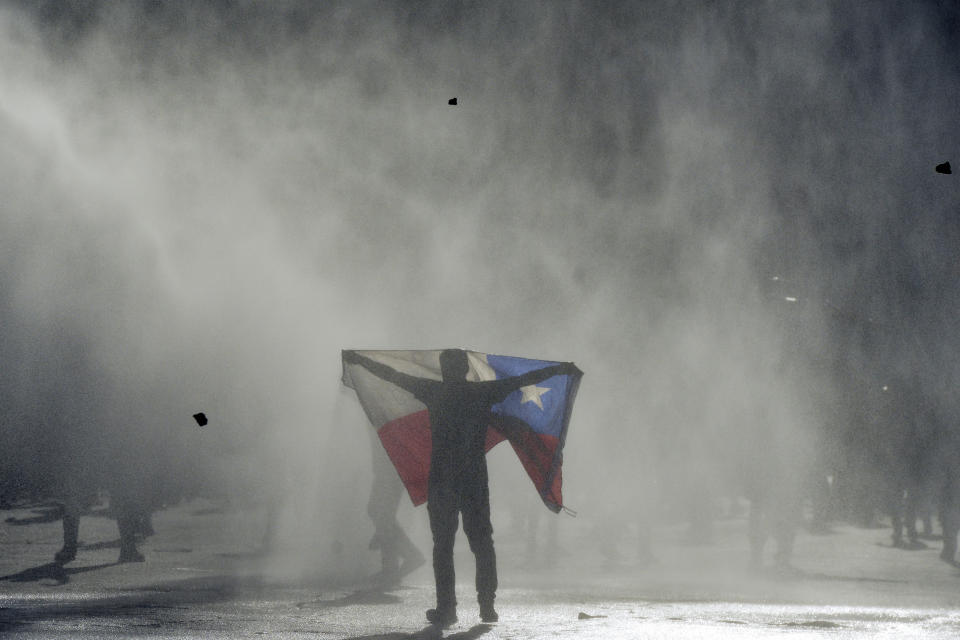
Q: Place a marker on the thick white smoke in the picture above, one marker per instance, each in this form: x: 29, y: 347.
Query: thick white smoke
x: 203, y: 203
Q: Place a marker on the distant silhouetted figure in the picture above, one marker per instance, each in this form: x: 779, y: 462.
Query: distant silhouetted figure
x: 909, y: 450
x: 773, y: 513
x: 459, y: 416
x: 946, y: 483
x: 774, y: 475
x: 123, y: 474
x: 398, y: 555
x: 133, y: 522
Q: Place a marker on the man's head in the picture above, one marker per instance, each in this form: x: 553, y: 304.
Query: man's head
x: 453, y: 364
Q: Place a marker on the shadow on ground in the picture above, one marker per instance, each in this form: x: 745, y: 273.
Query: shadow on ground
x: 432, y: 632
x: 53, y: 512
x: 52, y: 571
x: 141, y: 604
x: 40, y: 516
x: 361, y: 596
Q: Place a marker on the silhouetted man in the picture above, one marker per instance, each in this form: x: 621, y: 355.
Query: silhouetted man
x: 459, y: 413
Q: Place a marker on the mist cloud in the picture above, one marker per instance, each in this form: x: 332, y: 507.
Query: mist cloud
x: 204, y: 202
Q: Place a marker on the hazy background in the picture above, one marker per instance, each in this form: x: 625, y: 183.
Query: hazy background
x: 201, y: 203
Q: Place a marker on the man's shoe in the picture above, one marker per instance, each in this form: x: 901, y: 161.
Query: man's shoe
x: 442, y: 617
x: 386, y: 579
x: 411, y: 564
x: 488, y: 613
x: 65, y: 555
x: 130, y: 555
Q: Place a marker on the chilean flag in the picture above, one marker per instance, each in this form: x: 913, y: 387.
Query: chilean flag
x: 534, y: 419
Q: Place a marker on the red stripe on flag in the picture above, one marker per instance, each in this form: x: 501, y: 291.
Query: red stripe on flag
x: 536, y: 452
x: 407, y: 441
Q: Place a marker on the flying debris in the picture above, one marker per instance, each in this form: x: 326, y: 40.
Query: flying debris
x: 453, y: 101
x: 533, y: 419
x: 200, y: 418
x: 944, y: 168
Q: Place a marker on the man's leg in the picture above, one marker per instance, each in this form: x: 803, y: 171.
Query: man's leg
x: 911, y: 508
x: 387, y: 533
x: 412, y: 558
x: 479, y: 530
x: 125, y: 511
x: 71, y: 533
x: 949, y: 519
x: 784, y: 532
x: 385, y: 494
x: 442, y: 506
x: 76, y: 498
x: 757, y: 530
x: 895, y: 508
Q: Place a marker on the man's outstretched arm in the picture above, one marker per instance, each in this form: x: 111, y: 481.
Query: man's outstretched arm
x: 509, y: 385
x: 402, y: 380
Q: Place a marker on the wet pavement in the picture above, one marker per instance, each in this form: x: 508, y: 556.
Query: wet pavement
x: 203, y: 578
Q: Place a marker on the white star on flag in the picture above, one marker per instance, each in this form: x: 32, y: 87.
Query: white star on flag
x: 532, y: 394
